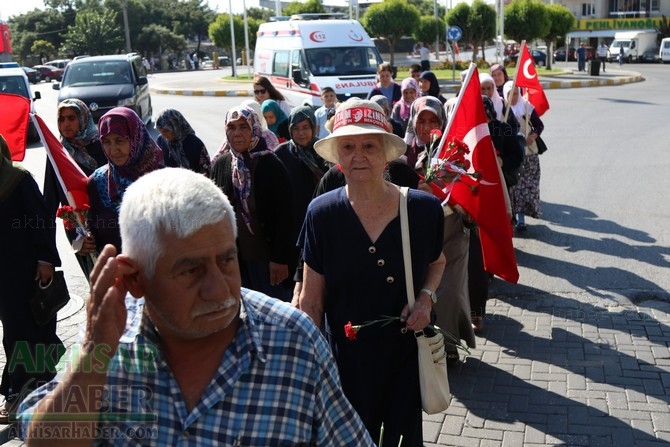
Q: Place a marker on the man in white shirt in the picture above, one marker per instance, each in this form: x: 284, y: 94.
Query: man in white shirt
x: 424, y: 55
x: 602, y: 54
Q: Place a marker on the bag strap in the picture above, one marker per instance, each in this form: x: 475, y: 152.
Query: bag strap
x: 406, y: 249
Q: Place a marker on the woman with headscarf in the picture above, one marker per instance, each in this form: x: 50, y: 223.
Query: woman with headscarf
x: 354, y: 272
x: 131, y: 153
x: 526, y: 193
x: 488, y: 87
x: 305, y: 167
x: 400, y: 113
x: 276, y: 118
x: 259, y: 189
x: 29, y: 256
x: 430, y: 86
x: 270, y: 138
x: 79, y: 135
x: 510, y: 156
x: 453, y: 305
x: 181, y: 147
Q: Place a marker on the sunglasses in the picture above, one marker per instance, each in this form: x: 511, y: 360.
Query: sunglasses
x: 260, y: 91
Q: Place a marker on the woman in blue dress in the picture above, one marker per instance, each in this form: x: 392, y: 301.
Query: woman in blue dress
x: 354, y: 272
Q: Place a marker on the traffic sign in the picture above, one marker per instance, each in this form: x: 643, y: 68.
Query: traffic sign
x: 454, y: 33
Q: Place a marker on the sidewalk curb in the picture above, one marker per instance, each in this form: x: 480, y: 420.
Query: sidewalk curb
x: 199, y: 92
x: 450, y: 88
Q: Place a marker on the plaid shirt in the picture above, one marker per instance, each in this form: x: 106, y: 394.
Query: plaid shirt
x: 277, y: 385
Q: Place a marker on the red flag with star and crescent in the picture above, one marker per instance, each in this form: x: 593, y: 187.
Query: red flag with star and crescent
x: 14, y: 116
x: 526, y: 77
x: 483, y: 198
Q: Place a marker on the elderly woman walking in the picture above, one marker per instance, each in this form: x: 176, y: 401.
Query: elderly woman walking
x: 259, y: 188
x: 354, y: 272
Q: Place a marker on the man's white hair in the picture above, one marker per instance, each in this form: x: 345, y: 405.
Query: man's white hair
x: 168, y: 200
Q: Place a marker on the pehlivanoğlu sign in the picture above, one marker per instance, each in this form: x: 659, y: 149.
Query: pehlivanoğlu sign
x: 617, y: 24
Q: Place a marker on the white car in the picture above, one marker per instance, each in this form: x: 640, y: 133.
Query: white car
x: 14, y: 80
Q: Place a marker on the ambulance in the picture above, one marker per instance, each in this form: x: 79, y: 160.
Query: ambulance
x: 307, y: 52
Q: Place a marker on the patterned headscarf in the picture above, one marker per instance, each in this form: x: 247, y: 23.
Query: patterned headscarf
x: 241, y: 160
x: 317, y: 165
x: 407, y: 84
x: 419, y: 105
x: 88, y: 133
x: 270, y: 105
x: 175, y: 122
x: 145, y: 155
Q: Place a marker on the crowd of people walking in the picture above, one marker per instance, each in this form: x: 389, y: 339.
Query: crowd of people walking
x: 297, y: 205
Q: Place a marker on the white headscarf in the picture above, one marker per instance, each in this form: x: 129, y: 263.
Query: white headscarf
x: 495, y: 98
x: 522, y: 107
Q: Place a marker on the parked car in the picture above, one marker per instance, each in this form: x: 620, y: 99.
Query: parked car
x: 58, y: 63
x: 105, y: 82
x: 32, y: 75
x: 14, y: 80
x: 540, y: 57
x: 559, y: 54
x: 650, y: 56
x: 207, y: 62
x: 49, y: 73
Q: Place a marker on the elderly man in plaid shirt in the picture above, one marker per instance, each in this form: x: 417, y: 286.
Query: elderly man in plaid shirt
x: 200, y: 360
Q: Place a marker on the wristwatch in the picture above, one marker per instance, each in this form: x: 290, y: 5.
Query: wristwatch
x: 431, y: 294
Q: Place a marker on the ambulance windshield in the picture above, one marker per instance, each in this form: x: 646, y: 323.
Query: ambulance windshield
x: 339, y: 61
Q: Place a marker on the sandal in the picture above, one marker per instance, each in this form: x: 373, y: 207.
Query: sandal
x: 8, y: 412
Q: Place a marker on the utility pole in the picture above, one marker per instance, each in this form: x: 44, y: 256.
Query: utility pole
x: 233, y: 61
x: 125, y: 25
x: 437, y: 35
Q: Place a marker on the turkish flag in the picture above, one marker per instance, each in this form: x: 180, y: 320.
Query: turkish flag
x: 14, y: 116
x: 70, y: 176
x: 526, y: 77
x: 483, y: 198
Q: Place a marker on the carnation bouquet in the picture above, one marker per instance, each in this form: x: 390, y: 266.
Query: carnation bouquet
x: 445, y: 166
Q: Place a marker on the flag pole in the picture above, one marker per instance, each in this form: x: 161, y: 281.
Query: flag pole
x: 466, y: 81
x: 516, y: 73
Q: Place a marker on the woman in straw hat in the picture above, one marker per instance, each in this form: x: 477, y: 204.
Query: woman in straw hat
x: 354, y: 272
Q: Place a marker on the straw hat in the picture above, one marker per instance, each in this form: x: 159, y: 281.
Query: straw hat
x: 360, y: 117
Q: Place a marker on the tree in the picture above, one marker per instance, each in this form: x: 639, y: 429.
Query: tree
x: 49, y: 25
x: 311, y: 6
x: 482, y: 25
x: 94, y: 34
x: 460, y: 16
x: 390, y: 21
x: 427, y: 8
x: 157, y: 39
x: 262, y: 14
x: 192, y: 19
x: 429, y: 29
x: 526, y: 20
x: 219, y: 32
x: 561, y: 21
x: 43, y: 48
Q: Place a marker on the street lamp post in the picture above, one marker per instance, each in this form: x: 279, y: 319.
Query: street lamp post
x: 233, y: 62
x: 437, y: 35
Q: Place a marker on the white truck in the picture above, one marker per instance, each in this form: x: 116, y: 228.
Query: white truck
x: 664, y: 50
x: 302, y: 55
x: 634, y: 44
